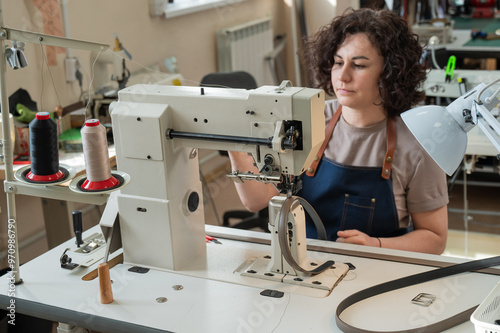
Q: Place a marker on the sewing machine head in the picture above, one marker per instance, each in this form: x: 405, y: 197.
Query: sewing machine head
x: 156, y: 131
x: 282, y: 127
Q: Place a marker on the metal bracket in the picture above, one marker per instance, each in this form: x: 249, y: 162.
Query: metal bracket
x: 10, y: 188
x: 65, y: 261
x: 424, y: 299
x: 284, y: 84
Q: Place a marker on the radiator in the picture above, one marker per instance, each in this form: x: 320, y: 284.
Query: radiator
x: 244, y: 47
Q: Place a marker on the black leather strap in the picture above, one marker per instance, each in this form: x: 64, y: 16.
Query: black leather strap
x: 409, y: 281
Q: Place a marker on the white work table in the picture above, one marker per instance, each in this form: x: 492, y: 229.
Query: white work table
x: 218, y: 299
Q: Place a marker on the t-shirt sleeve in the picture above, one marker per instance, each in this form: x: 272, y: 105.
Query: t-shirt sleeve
x: 427, y: 189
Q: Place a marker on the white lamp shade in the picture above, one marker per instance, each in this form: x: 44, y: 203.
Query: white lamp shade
x: 439, y: 134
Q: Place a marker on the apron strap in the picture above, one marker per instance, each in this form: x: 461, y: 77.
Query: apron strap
x: 391, y: 147
x: 389, y: 154
x: 311, y: 171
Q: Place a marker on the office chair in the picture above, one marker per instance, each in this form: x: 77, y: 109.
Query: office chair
x: 239, y: 79
x: 242, y: 80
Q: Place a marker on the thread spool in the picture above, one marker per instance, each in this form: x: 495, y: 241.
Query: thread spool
x: 44, y: 150
x: 105, y: 290
x: 95, y: 151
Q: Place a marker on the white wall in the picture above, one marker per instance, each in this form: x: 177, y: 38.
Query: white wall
x: 191, y: 38
x: 321, y: 12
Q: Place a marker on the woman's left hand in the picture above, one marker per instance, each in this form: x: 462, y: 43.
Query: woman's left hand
x: 354, y: 236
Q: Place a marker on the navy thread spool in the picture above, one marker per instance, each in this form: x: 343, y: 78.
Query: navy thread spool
x: 44, y: 149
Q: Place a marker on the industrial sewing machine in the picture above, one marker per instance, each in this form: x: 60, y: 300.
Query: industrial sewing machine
x: 144, y: 116
x: 116, y: 58
x: 157, y: 130
x: 193, y: 286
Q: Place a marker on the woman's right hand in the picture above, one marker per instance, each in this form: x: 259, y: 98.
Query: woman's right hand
x: 254, y: 195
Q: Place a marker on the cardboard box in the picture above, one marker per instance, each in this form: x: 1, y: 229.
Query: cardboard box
x: 426, y: 31
x: 22, y: 143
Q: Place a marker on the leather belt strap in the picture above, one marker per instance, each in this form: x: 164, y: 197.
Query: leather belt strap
x: 389, y: 155
x: 328, y: 134
x: 283, y: 234
x: 413, y: 280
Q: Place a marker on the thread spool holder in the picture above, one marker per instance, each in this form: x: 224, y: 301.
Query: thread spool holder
x: 69, y: 172
x: 11, y: 185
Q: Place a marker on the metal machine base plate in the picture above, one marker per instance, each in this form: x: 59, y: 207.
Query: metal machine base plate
x: 327, y: 280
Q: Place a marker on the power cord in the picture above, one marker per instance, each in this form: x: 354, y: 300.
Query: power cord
x: 79, y: 77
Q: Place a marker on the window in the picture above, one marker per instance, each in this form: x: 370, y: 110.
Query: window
x: 172, y: 8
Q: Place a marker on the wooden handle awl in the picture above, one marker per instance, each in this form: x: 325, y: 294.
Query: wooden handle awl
x: 105, y: 283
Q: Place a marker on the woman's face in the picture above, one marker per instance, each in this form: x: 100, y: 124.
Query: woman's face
x: 356, y: 73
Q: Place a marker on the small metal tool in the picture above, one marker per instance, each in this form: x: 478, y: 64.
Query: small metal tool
x: 424, y: 299
x: 212, y: 239
x: 90, y: 246
x: 65, y: 261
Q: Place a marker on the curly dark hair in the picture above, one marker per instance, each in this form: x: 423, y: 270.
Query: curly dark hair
x: 402, y: 72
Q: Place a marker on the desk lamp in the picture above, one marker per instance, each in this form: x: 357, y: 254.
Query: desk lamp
x: 442, y: 131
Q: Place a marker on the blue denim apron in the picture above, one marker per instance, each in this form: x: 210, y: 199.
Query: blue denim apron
x: 351, y: 197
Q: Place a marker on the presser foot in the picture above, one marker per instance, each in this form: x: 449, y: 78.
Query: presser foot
x: 326, y: 280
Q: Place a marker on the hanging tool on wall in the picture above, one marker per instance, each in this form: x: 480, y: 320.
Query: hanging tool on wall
x: 479, y: 34
x: 123, y: 77
x: 450, y: 67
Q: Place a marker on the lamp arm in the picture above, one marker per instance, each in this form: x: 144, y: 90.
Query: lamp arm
x: 489, y: 125
x: 488, y: 99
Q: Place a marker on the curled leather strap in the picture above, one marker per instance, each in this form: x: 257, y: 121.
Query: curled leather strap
x: 320, y: 227
x: 413, y: 280
x: 391, y: 147
x: 311, y: 171
x: 283, y: 234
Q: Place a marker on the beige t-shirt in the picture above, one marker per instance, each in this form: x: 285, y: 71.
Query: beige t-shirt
x: 419, y: 184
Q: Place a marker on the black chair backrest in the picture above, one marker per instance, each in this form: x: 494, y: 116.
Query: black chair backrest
x: 239, y: 79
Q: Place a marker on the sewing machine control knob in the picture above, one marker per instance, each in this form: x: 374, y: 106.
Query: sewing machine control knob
x: 290, y: 141
x: 268, y: 159
x: 467, y: 115
x: 193, y: 201
x: 268, y: 162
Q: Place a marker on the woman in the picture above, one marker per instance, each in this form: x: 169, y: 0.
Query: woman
x: 374, y: 184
